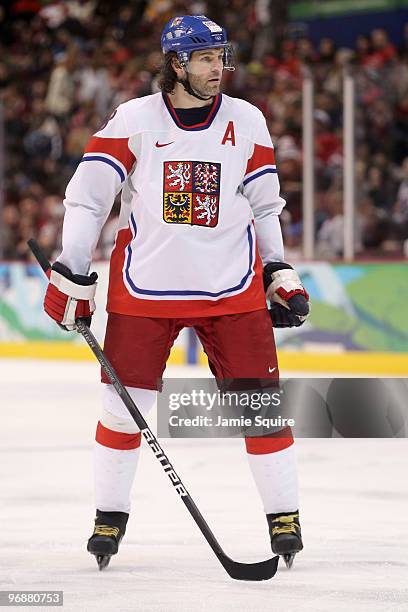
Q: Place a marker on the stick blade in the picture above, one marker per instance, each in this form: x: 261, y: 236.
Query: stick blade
x: 264, y: 570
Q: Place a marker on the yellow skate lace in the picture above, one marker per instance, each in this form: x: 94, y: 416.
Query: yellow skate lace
x: 106, y: 530
x: 289, y: 525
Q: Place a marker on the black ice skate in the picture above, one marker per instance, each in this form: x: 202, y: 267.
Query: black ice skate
x: 286, y: 537
x: 109, y: 530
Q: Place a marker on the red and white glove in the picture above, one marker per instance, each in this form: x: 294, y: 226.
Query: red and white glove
x: 289, y: 299
x: 69, y: 296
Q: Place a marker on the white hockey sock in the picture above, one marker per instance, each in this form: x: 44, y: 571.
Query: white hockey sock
x: 114, y: 474
x: 275, y: 476
x: 117, y: 448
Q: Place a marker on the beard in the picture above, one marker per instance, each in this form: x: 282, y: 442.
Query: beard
x: 203, y: 87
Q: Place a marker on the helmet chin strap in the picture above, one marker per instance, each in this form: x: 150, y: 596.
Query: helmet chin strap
x: 186, y: 84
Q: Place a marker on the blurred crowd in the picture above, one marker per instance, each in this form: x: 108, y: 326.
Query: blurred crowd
x: 64, y: 65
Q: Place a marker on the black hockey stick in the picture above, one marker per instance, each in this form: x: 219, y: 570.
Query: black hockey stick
x: 239, y: 571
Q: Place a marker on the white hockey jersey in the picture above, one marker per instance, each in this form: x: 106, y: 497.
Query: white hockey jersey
x: 199, y: 212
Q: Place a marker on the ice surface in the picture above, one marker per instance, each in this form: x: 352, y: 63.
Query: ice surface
x: 354, y: 509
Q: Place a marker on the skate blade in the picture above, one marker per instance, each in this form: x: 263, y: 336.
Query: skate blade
x: 102, y: 561
x: 288, y: 559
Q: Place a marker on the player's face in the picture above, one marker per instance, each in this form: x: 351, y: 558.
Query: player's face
x: 205, y: 71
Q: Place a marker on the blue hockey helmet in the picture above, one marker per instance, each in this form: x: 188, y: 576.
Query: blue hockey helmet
x: 189, y: 33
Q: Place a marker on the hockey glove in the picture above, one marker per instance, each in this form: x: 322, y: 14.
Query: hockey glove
x: 69, y: 296
x: 289, y: 300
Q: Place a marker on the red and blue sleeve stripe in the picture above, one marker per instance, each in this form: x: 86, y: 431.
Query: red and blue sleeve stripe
x: 262, y: 162
x: 112, y: 151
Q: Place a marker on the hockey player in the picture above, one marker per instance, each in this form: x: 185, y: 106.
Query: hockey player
x: 198, y: 244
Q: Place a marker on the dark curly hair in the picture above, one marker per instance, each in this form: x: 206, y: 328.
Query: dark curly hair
x: 167, y: 76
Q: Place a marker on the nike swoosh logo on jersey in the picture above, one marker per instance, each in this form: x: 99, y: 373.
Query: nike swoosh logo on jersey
x: 165, y: 144
x: 270, y: 370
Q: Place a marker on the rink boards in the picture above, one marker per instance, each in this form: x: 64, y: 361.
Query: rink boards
x: 356, y: 324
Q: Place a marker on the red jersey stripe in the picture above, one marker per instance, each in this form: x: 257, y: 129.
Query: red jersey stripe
x: 116, y: 147
x: 262, y: 156
x: 117, y: 439
x: 120, y: 301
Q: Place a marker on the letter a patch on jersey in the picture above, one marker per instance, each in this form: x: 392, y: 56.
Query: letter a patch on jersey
x: 229, y: 135
x: 191, y: 192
